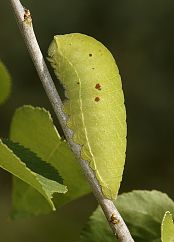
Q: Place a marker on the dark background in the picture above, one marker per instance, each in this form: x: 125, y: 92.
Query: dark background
x: 140, y: 34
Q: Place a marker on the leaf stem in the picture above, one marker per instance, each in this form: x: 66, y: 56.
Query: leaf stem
x: 24, y: 20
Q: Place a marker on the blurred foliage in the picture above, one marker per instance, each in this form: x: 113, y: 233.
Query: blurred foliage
x: 140, y: 35
x: 5, y: 83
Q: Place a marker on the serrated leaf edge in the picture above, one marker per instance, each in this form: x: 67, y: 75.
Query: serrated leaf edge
x: 47, y: 196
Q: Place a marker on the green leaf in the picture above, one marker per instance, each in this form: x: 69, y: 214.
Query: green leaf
x: 34, y: 129
x: 5, y: 83
x: 13, y: 164
x: 167, y: 228
x: 33, y: 162
x: 141, y: 210
x: 97, y: 229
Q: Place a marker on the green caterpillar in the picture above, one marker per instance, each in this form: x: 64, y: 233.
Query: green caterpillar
x: 94, y: 105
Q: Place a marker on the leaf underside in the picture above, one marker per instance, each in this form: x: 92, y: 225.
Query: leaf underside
x: 34, y: 129
x: 19, y: 168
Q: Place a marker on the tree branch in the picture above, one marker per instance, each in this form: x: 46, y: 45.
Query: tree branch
x: 24, y: 20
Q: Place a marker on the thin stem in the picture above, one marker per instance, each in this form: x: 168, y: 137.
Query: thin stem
x: 24, y: 20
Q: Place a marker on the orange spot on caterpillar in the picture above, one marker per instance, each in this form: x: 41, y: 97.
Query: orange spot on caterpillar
x: 97, y: 99
x: 98, y: 86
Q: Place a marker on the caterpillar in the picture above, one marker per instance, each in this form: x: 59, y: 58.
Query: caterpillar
x: 94, y: 104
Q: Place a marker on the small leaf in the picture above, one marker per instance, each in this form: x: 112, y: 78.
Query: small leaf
x: 141, y: 210
x: 34, y: 129
x: 167, y: 228
x: 13, y: 164
x: 5, y: 83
